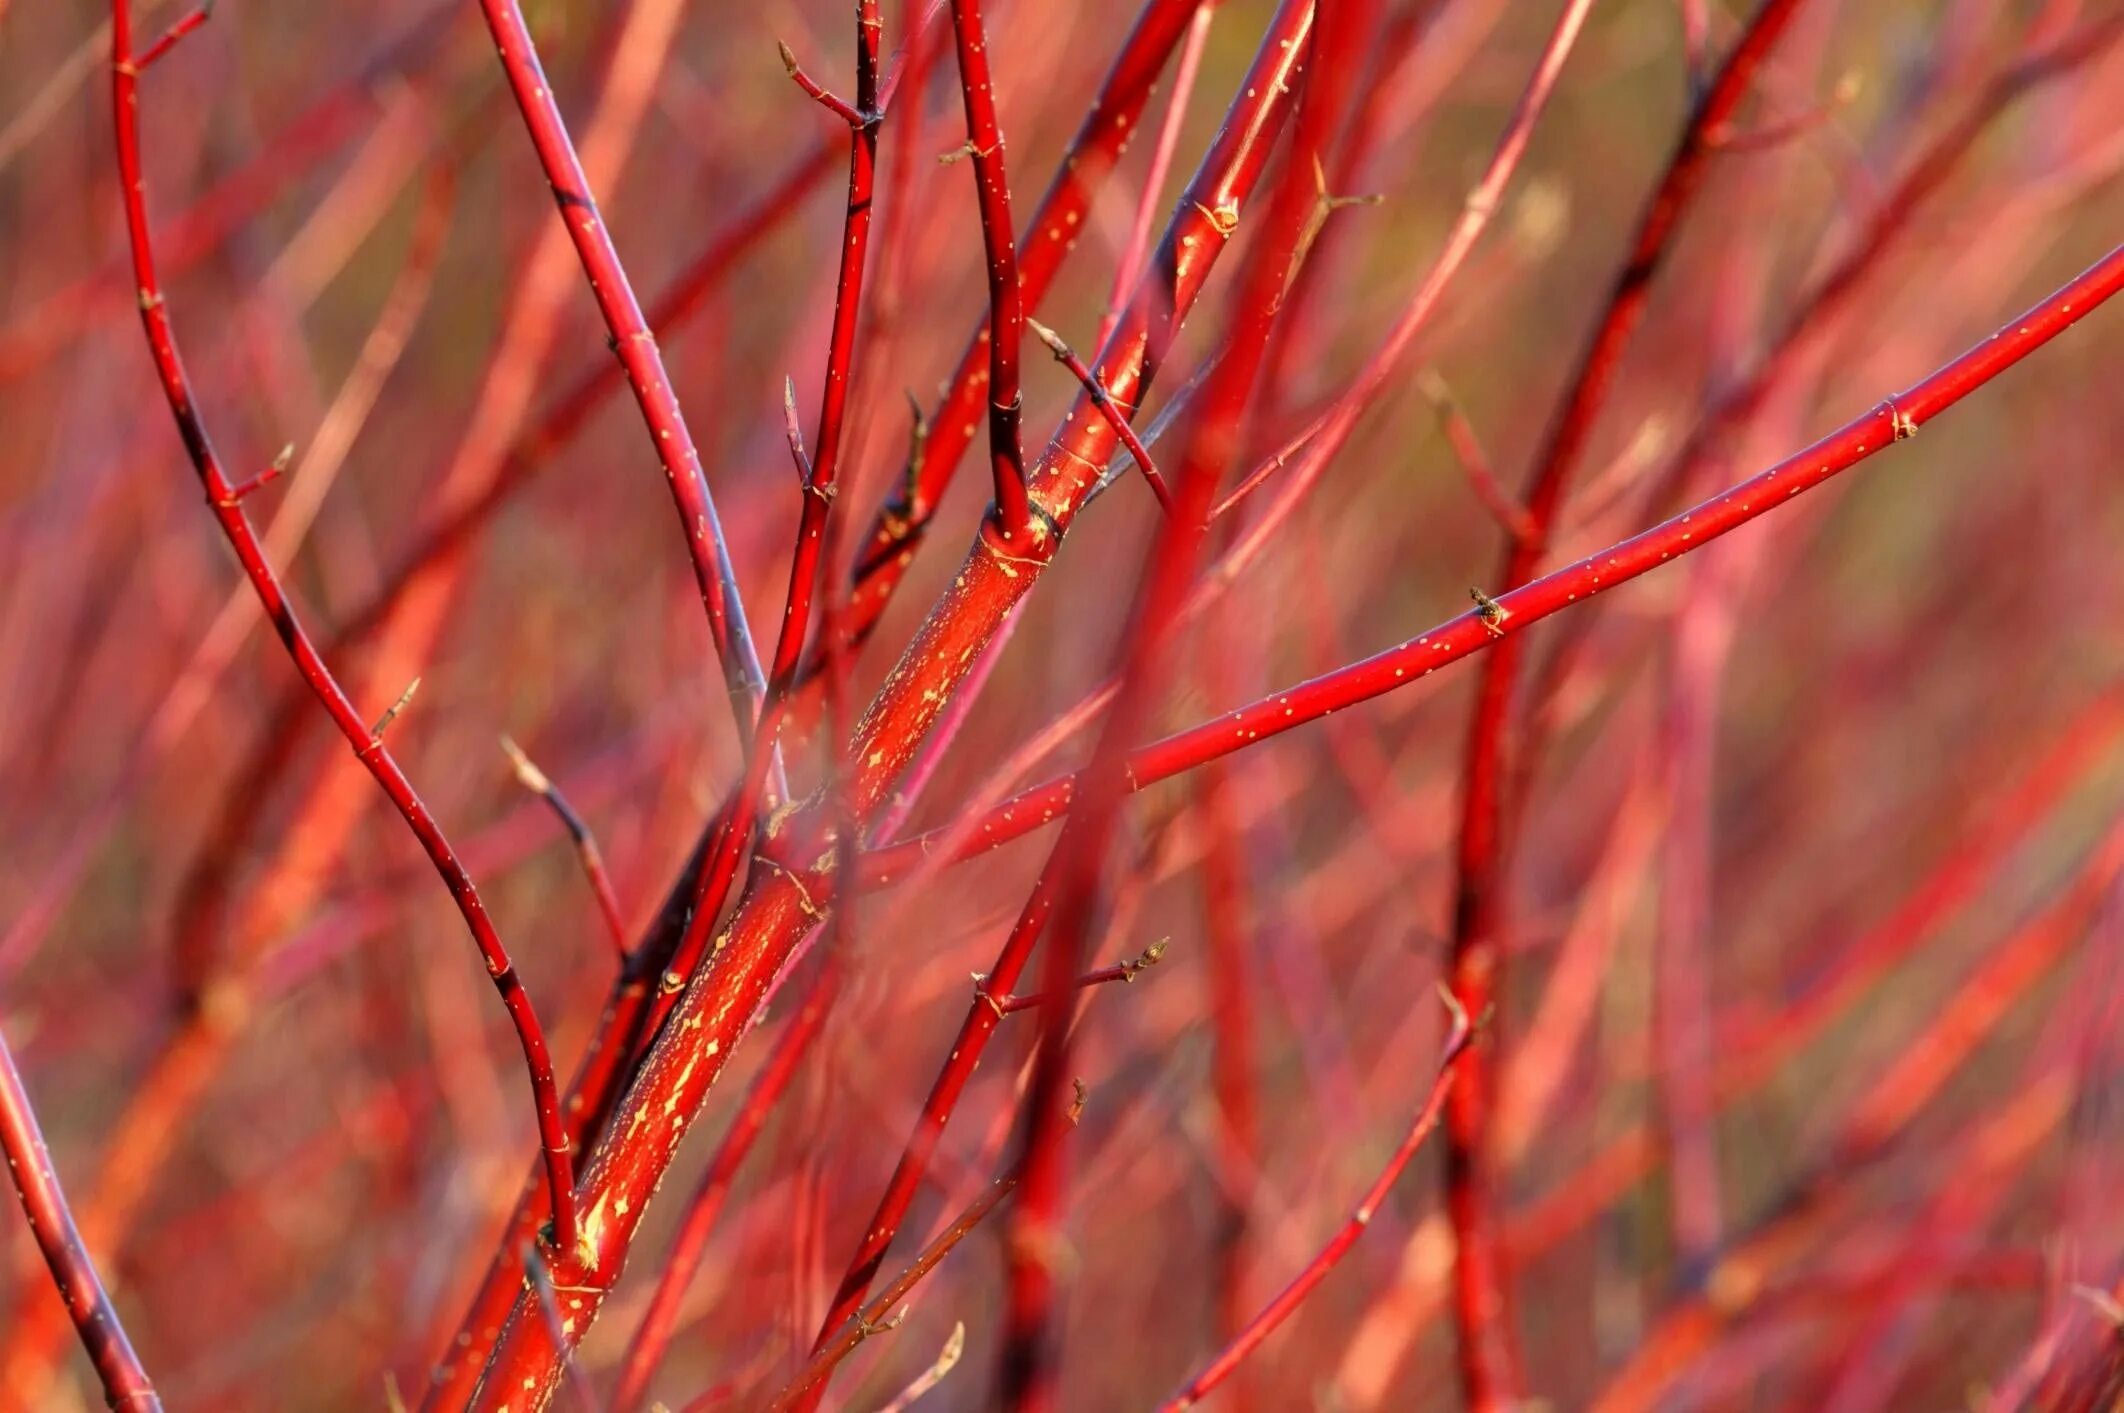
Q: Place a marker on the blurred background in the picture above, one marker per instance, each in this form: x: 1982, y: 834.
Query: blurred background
x: 1814, y: 881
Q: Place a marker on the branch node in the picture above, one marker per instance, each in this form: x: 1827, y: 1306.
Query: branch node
x: 1904, y: 425
x: 865, y: 1328
x: 1224, y: 216
x: 845, y: 111
x: 1490, y: 611
x: 266, y: 477
x: 169, y: 40
x: 1331, y: 202
x: 1149, y: 957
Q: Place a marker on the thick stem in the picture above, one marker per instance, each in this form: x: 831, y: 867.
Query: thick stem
x: 788, y: 894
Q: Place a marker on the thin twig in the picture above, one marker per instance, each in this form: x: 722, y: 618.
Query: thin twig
x: 593, y: 860
x: 243, y: 539
x: 29, y: 1163
x: 1273, y: 1314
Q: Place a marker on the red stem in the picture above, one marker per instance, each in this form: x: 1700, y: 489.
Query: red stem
x: 1315, y: 1271
x: 1067, y: 357
x: 872, y: 1318
x: 1098, y: 976
x: 185, y: 24
x: 686, y: 295
x: 586, y: 851
x: 1225, y: 178
x: 368, y: 748
x: 1328, y: 433
x: 1030, y: 1375
x: 706, y: 1203
x: 1129, y: 267
x: 29, y: 1163
x: 635, y: 346
x: 1465, y: 635
x: 1006, y: 300
x: 1488, y: 1362
x: 1051, y: 234
x: 981, y: 1022
x: 808, y: 564
x: 607, y: 1064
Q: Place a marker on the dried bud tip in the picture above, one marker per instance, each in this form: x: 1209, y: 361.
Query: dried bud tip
x: 1457, y: 1011
x: 2105, y: 1304
x: 284, y: 459
x: 383, y: 722
x: 1048, y: 336
x: 528, y: 774
x: 788, y: 57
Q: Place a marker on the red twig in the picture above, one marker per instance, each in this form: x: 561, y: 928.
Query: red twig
x: 636, y: 348
x: 1467, y: 450
x: 874, y: 1317
x: 536, y: 781
x: 846, y: 112
x: 1224, y: 178
x: 1488, y: 1372
x: 1099, y: 976
x: 607, y: 1064
x: 957, y: 1072
x: 1028, y: 1378
x: 1808, y: 315
x: 820, y: 474
x: 1327, y: 434
x: 1051, y: 230
x: 684, y: 297
x: 367, y: 746
x: 1067, y: 358
x: 1006, y: 299
x: 1128, y: 268
x: 1315, y: 1271
x: 1856, y: 441
x: 185, y: 24
x: 29, y: 1163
